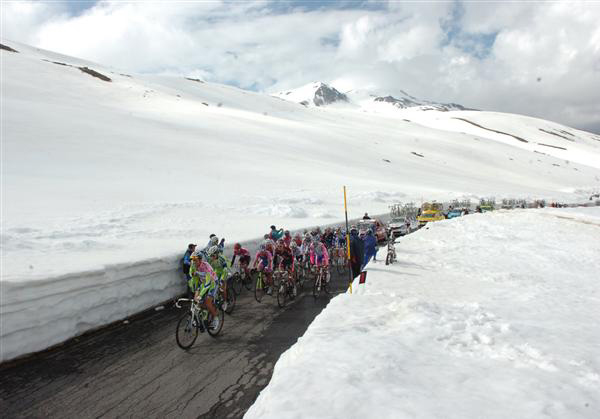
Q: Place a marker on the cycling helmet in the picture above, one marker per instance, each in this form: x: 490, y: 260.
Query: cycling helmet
x: 197, y: 254
x: 213, y: 241
x: 293, y: 245
x: 308, y: 239
x: 237, y: 246
x: 280, y: 242
x: 263, y: 247
x: 213, y: 251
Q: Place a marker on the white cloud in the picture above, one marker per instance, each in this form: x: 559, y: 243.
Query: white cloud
x: 541, y: 59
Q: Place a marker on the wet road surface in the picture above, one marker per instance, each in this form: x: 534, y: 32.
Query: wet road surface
x: 137, y: 369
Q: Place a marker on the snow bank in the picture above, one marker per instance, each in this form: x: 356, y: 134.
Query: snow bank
x: 491, y: 315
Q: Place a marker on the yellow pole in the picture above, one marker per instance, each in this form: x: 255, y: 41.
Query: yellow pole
x: 348, y: 243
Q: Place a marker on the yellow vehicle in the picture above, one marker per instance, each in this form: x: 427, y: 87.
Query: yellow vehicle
x: 431, y: 212
x: 429, y: 216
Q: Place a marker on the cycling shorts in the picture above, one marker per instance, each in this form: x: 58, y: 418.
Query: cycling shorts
x: 319, y: 260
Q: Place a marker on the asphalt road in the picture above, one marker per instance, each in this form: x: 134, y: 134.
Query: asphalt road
x: 137, y: 369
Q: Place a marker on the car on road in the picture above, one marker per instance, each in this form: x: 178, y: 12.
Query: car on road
x: 453, y: 213
x: 430, y: 216
x: 376, y: 227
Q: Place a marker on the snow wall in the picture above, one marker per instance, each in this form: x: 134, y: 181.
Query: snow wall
x: 35, y: 315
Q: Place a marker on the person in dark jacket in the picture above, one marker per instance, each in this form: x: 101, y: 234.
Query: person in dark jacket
x: 366, y: 216
x: 187, y: 261
x: 357, y: 252
x: 370, y: 247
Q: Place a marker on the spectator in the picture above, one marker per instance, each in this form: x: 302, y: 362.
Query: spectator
x: 275, y: 234
x: 357, y: 251
x: 370, y: 247
x: 187, y: 261
x: 366, y: 216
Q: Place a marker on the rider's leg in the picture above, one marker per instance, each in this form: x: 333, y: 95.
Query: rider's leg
x: 211, y: 306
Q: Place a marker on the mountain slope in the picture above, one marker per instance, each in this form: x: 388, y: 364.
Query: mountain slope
x: 94, y: 166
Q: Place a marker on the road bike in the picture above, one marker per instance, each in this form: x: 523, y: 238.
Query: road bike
x: 198, y: 319
x: 321, y: 284
x: 285, y: 289
x: 260, y: 286
x: 340, y: 260
x: 240, y: 279
x: 231, y: 299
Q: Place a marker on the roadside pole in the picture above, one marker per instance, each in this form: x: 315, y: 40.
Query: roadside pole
x: 348, y: 244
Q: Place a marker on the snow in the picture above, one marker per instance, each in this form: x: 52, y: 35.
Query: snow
x: 105, y: 183
x: 489, y: 315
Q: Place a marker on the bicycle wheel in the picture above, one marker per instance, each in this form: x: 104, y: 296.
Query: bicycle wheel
x: 230, y: 302
x: 299, y: 280
x: 247, y: 281
x: 186, y: 333
x: 236, y: 283
x: 259, y: 288
x: 281, y: 293
x: 211, y: 331
x: 317, y: 286
x: 340, y: 265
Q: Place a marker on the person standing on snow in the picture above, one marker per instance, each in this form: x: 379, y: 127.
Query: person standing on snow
x: 366, y: 216
x: 275, y: 234
x: 357, y: 252
x: 370, y: 247
x: 187, y: 261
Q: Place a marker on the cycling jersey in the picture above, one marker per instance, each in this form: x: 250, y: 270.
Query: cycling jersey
x: 203, y: 279
x: 221, y: 267
x: 318, y: 254
x: 263, y: 260
x: 287, y: 257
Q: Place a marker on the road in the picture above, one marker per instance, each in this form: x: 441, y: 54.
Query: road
x: 137, y: 370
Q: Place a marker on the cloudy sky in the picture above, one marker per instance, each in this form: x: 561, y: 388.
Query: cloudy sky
x: 535, y: 58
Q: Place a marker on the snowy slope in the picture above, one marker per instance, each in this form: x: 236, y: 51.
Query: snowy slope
x: 452, y: 330
x: 99, y: 176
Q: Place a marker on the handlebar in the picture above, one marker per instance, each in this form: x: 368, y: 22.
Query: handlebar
x: 180, y: 300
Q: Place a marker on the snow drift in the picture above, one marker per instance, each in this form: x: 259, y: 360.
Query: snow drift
x: 453, y: 330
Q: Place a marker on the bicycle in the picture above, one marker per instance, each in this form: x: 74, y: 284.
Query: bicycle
x: 341, y: 261
x: 239, y: 280
x: 285, y: 290
x: 321, y: 283
x: 220, y: 300
x: 259, y: 286
x: 197, y: 319
x: 391, y: 252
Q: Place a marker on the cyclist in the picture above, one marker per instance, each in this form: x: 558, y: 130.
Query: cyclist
x: 263, y: 261
x: 203, y: 284
x: 213, y: 241
x: 244, y: 258
x: 221, y: 267
x: 287, y: 237
x: 319, y: 257
x: 270, y: 244
x: 298, y: 239
x: 296, y: 251
x: 286, y: 260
